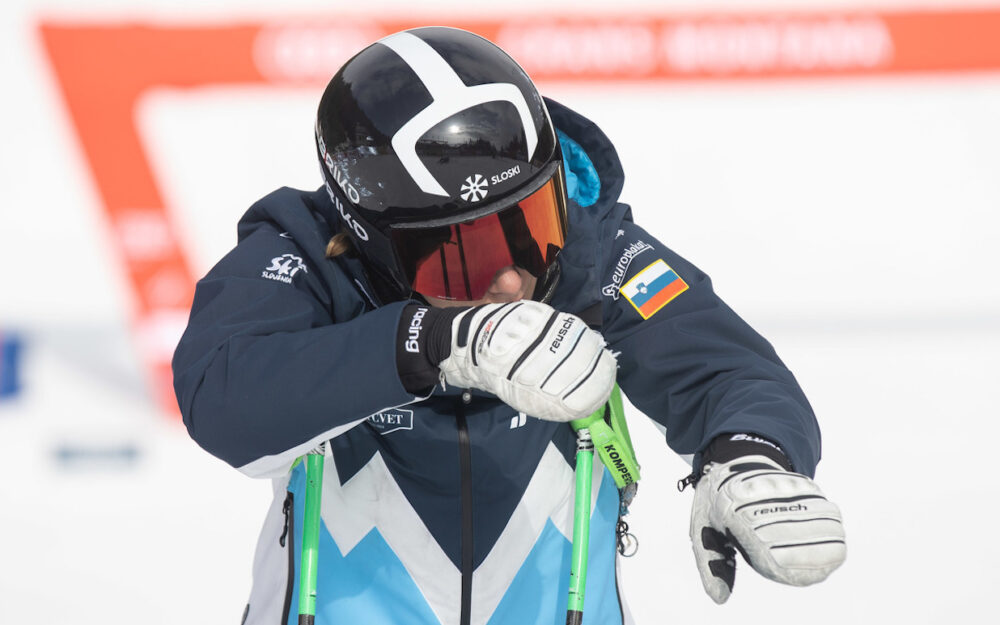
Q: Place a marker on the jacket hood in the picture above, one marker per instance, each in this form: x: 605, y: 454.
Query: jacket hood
x: 590, y: 158
x: 303, y: 216
x: 597, y: 148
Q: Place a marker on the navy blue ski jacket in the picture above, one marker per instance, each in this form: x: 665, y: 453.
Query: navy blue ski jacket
x: 455, y: 508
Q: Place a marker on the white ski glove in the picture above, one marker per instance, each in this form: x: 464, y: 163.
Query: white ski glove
x: 545, y: 363
x: 780, y: 521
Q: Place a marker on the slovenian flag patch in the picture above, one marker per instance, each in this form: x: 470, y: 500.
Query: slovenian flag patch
x: 653, y: 288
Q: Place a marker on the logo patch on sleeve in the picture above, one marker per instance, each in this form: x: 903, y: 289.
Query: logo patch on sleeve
x: 653, y: 288
x: 283, y: 268
x: 621, y: 269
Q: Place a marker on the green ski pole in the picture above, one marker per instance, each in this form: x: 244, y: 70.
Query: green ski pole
x: 581, y: 525
x: 606, y: 430
x: 309, y: 562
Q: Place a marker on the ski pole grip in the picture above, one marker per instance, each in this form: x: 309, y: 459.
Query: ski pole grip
x: 610, y: 435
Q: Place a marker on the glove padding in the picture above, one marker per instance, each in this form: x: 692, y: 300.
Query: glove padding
x: 545, y: 363
x: 780, y: 521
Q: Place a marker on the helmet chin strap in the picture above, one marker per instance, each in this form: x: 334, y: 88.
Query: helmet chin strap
x: 386, y: 291
x: 420, y: 298
x: 545, y: 288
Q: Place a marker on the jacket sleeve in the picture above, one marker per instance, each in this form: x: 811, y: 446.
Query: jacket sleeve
x: 691, y: 363
x: 262, y: 373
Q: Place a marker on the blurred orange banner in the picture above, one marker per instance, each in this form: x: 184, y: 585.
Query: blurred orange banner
x: 103, y: 69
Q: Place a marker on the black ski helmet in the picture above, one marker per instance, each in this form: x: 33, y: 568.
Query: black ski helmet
x: 441, y: 159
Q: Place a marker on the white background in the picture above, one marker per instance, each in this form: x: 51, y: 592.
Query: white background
x: 851, y: 221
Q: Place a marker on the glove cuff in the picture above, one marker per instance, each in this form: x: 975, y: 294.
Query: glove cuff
x: 728, y: 447
x: 423, y: 339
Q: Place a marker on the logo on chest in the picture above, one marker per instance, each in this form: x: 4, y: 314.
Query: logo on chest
x: 283, y: 268
x: 391, y: 420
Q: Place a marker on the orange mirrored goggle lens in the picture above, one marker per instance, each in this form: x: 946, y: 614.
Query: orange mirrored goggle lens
x: 460, y: 261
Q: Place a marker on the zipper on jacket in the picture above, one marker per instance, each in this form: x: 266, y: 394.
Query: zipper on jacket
x: 690, y: 480
x: 618, y: 594
x: 288, y: 508
x: 465, y: 465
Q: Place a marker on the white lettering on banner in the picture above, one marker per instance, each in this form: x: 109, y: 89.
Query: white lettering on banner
x: 715, y: 46
x: 722, y: 46
x: 167, y: 287
x: 581, y: 49
x: 144, y: 234
x: 310, y: 51
x: 160, y: 331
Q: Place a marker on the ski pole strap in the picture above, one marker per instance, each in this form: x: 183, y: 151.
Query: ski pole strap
x: 609, y: 431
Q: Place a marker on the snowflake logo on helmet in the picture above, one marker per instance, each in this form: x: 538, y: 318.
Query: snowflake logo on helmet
x: 474, y: 188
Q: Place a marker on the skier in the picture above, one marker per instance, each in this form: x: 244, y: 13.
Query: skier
x: 463, y: 285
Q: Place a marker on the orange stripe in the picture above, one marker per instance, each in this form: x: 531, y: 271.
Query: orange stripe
x: 682, y: 46
x: 652, y: 47
x: 662, y: 298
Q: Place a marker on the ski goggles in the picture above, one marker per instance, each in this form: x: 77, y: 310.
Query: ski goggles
x: 460, y: 261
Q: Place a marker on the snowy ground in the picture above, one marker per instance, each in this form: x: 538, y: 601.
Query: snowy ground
x: 853, y: 222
